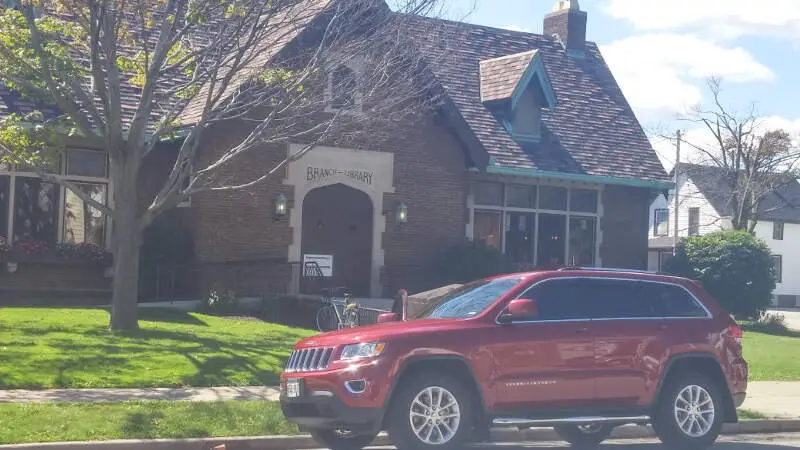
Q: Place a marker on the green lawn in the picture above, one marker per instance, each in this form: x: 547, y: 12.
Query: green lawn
x: 772, y: 357
x: 72, y: 348
x: 51, y: 422
x: 61, y: 422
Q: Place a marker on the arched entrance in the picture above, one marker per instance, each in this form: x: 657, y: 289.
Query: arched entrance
x: 338, y: 221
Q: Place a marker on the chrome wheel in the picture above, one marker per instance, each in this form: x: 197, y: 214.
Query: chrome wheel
x: 435, y: 416
x: 694, y: 411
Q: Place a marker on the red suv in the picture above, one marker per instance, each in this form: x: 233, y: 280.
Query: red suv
x: 579, y: 350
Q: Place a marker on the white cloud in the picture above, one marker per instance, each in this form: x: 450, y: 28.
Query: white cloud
x: 720, y: 18
x: 660, y: 72
x: 517, y: 28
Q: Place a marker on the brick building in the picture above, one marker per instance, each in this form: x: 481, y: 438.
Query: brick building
x: 534, y: 150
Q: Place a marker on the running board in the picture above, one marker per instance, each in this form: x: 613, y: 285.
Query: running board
x: 523, y: 422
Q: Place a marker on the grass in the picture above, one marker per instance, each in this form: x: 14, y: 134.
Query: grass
x: 61, y: 422
x: 771, y: 354
x: 745, y: 414
x: 52, y: 422
x: 72, y: 348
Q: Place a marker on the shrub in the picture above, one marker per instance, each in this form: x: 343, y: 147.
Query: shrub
x: 468, y: 261
x: 733, y: 266
x: 771, y: 324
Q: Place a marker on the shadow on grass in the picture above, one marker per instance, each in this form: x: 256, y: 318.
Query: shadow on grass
x: 169, y: 316
x: 771, y: 330
x: 217, y: 362
x: 142, y: 425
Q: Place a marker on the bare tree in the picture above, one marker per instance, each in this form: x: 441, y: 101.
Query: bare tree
x: 751, y: 161
x: 126, y: 75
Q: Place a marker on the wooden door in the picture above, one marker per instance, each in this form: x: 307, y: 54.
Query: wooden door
x: 337, y: 221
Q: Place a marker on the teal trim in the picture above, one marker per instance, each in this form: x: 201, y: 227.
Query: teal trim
x: 535, y: 173
x: 579, y: 54
x: 535, y: 70
x: 519, y: 137
x: 528, y: 138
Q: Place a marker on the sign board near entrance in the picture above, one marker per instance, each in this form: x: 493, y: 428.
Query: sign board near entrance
x: 317, y: 265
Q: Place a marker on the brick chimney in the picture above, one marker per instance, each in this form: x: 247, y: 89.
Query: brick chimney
x: 568, y: 22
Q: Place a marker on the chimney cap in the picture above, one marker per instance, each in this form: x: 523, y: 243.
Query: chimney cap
x: 562, y: 5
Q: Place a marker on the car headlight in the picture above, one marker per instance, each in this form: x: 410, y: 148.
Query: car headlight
x: 357, y: 351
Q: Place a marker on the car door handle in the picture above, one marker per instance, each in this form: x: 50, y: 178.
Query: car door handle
x: 582, y: 330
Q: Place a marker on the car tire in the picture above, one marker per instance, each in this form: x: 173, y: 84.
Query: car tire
x: 690, y: 413
x: 443, y: 401
x: 338, y: 440
x: 584, y: 436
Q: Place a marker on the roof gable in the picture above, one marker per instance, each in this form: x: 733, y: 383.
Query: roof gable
x: 780, y: 205
x: 507, y: 77
x: 592, y: 132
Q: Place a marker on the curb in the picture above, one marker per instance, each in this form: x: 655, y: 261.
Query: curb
x: 305, y: 442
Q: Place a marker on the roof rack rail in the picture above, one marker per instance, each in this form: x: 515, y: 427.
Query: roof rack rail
x: 604, y: 269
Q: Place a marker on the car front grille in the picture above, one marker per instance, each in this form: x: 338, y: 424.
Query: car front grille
x: 309, y: 360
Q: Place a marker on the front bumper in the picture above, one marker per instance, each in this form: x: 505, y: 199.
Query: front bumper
x: 324, y: 410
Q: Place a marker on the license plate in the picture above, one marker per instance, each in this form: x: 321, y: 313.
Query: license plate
x: 293, y: 388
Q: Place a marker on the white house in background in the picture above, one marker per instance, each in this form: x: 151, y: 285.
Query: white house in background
x: 703, y: 208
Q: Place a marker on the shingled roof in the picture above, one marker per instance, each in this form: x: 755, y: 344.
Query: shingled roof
x: 780, y: 205
x: 500, y: 76
x: 592, y: 130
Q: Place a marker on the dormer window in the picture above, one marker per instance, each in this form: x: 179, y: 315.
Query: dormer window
x: 343, y: 92
x: 516, y: 88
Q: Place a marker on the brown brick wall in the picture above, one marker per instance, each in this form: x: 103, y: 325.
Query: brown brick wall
x: 429, y: 177
x: 66, y: 284
x: 625, y: 227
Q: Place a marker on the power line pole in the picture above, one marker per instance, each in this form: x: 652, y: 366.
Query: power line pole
x: 677, y: 191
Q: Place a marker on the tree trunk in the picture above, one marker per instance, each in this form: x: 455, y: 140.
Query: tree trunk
x: 127, y: 240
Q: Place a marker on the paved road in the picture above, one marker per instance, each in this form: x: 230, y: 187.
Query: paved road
x: 752, y: 442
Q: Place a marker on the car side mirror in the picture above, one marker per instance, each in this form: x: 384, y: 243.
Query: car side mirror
x: 520, y: 309
x: 388, y: 317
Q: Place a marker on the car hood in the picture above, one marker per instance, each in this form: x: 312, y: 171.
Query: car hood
x: 379, y: 332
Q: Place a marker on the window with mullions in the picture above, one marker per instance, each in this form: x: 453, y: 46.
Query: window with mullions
x: 32, y: 209
x: 35, y: 210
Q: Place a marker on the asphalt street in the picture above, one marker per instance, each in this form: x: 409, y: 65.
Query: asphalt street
x: 742, y: 442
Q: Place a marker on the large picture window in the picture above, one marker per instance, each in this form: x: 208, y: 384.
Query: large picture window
x: 539, y: 225
x: 32, y: 209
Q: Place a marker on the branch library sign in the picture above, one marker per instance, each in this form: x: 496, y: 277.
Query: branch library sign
x: 316, y: 174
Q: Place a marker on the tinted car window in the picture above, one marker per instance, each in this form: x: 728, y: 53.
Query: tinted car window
x: 619, y: 299
x: 670, y: 300
x: 560, y: 299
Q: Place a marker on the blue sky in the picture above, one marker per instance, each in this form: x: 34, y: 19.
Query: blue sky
x: 663, y: 51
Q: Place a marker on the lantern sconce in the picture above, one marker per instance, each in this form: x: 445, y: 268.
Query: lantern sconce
x: 402, y: 214
x: 281, y: 207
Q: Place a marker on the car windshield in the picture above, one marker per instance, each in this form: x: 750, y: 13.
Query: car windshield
x: 468, y: 300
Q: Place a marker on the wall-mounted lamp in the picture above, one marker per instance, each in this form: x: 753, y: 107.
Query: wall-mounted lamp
x: 281, y: 206
x: 402, y: 213
x: 11, y: 267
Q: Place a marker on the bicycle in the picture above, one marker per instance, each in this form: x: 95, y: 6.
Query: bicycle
x: 329, y: 316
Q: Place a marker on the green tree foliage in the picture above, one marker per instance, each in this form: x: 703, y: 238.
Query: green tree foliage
x: 734, y: 266
x: 125, y: 77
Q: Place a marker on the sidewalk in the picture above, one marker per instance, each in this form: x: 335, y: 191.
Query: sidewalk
x: 772, y: 399
x: 121, y: 395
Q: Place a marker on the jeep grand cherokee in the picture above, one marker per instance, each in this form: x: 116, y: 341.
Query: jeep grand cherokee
x: 579, y: 350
